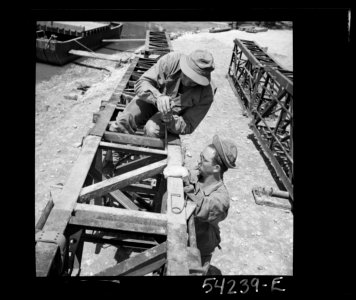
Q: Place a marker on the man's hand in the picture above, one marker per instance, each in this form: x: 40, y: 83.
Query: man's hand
x: 164, y: 104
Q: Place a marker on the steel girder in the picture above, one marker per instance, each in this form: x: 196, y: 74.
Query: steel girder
x: 265, y: 91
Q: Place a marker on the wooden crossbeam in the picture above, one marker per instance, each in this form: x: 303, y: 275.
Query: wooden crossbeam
x: 134, y: 139
x: 112, y: 218
x: 119, y: 241
x: 137, y: 163
x: 140, y: 264
x: 123, y: 200
x: 139, y: 188
x: 131, y: 149
x: 117, y: 182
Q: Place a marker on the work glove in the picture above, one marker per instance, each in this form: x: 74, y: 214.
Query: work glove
x: 175, y: 171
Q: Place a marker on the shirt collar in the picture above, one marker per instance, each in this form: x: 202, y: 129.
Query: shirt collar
x: 210, y: 188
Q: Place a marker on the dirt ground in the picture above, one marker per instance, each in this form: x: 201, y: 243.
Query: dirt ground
x: 256, y: 240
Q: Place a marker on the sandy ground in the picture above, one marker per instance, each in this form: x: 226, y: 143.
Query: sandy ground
x: 255, y: 239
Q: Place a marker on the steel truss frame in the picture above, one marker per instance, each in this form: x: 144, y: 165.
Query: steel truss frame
x: 265, y: 92
x: 136, y: 208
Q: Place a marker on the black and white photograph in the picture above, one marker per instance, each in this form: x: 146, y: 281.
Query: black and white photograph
x: 165, y: 148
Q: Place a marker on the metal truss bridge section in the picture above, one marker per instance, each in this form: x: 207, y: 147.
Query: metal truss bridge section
x: 265, y: 92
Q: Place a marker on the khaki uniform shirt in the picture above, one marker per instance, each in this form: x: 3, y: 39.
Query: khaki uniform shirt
x: 213, y: 203
x: 190, y: 107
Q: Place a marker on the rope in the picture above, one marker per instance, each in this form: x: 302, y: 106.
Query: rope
x: 86, y: 48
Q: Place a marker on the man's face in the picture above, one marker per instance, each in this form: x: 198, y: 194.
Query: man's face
x: 187, y: 82
x: 206, y: 165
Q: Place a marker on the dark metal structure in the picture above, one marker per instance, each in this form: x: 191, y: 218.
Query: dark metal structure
x: 265, y: 92
x: 136, y: 207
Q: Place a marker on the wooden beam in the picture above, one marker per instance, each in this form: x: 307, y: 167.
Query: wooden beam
x: 63, y: 207
x: 132, y: 149
x: 117, y: 182
x: 122, y: 40
x: 125, y: 240
x: 45, y: 213
x: 123, y: 200
x: 137, y: 163
x: 103, y: 120
x: 94, y: 55
x: 133, y: 139
x: 140, y: 264
x: 103, y: 217
x: 177, y: 237
x: 116, y: 96
x: 139, y: 188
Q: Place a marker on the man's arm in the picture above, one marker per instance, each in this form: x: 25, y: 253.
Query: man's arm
x: 190, y: 119
x: 146, y: 88
x: 150, y: 84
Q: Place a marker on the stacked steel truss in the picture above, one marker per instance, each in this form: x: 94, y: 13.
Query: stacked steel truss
x: 265, y: 91
x: 136, y: 207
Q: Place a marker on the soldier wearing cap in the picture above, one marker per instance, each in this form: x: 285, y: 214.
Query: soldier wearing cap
x: 177, y: 85
x: 208, y: 191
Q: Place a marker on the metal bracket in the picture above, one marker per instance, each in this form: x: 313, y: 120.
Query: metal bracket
x: 52, y: 237
x: 270, y: 197
x: 175, y: 200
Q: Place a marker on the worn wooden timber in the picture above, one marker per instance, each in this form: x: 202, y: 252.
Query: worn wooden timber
x: 96, y: 217
x: 177, y: 237
x: 134, y: 139
x: 122, y: 40
x: 94, y: 55
x: 117, y: 182
x: 132, y: 149
x: 116, y: 96
x: 45, y: 213
x: 137, y: 163
x: 123, y: 200
x: 120, y: 239
x: 140, y: 264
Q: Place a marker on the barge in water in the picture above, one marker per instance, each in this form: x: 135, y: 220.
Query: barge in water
x: 54, y: 40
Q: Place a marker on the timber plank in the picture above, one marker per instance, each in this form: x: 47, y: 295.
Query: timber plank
x: 104, y: 118
x: 117, y: 240
x: 137, y: 163
x: 115, y: 97
x: 117, y: 182
x: 99, y: 221
x: 94, y: 55
x: 137, y: 262
x: 131, y: 149
x: 45, y: 253
x: 123, y: 200
x: 177, y: 237
x: 139, y: 188
x: 134, y: 139
x: 125, y: 215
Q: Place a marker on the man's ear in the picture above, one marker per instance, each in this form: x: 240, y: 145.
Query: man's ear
x: 216, y: 168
